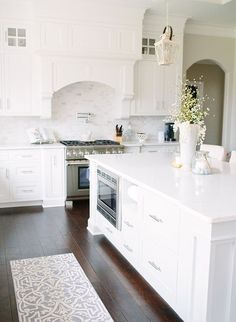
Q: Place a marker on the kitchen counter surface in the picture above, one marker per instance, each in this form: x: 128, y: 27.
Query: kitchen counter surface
x: 210, y: 196
x: 148, y: 143
x: 31, y: 146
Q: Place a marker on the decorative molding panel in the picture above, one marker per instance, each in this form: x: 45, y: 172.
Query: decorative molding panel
x: 209, y: 30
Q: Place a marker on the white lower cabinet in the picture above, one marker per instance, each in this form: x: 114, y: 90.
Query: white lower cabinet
x: 53, y: 177
x: 32, y: 176
x: 5, y: 183
x: 20, y: 175
x: 159, y: 267
x: 151, y: 148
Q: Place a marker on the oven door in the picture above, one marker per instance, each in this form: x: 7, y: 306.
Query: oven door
x: 77, y: 179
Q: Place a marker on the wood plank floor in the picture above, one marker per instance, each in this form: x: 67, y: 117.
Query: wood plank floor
x: 33, y: 231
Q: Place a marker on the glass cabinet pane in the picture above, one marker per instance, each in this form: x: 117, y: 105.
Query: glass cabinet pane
x: 11, y: 42
x: 21, y: 32
x: 144, y: 41
x: 11, y: 32
x: 151, y: 51
x: 22, y: 42
x: 152, y: 42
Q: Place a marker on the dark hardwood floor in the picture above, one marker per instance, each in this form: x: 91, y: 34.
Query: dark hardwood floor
x: 33, y: 231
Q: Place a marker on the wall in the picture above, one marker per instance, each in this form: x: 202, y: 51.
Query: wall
x: 213, y: 87
x: 90, y: 97
x: 222, y: 51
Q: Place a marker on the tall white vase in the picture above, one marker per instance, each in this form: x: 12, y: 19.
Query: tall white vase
x: 188, y: 137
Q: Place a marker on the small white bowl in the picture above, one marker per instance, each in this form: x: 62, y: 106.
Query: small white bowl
x: 141, y: 136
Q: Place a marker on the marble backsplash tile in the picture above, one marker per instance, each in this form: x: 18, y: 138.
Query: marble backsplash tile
x: 88, y: 97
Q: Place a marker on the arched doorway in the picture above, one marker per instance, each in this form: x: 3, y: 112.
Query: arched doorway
x: 213, y: 82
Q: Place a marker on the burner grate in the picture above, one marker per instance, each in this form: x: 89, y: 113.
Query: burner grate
x: 88, y: 143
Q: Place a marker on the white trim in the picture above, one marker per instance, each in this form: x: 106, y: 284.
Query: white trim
x: 209, y: 30
x: 21, y: 204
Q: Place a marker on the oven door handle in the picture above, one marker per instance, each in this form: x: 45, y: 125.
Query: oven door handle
x: 82, y: 163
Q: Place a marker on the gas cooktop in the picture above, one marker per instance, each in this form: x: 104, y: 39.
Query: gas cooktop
x: 88, y: 143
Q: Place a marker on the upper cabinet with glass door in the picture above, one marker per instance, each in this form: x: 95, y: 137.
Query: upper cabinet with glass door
x: 155, y: 86
x: 16, y: 36
x: 148, y: 48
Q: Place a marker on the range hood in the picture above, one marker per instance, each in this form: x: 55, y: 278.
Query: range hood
x: 84, y: 44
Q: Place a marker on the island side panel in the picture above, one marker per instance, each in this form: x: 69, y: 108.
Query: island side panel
x: 93, y: 222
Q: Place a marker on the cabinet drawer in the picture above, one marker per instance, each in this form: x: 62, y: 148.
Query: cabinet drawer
x: 26, y: 173
x: 4, y: 156
x: 160, y: 268
x: 162, y: 218
x: 25, y: 155
x: 27, y: 192
x: 108, y: 230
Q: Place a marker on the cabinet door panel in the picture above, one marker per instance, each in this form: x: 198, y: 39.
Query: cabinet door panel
x: 145, y: 88
x: 4, y: 184
x: 18, y: 84
x: 160, y: 267
x: 54, y: 173
x: 155, y: 88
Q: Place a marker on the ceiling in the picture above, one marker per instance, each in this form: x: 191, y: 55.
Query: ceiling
x: 211, y: 12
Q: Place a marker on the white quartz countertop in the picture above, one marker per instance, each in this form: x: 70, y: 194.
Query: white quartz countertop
x: 148, y: 143
x: 213, y: 197
x: 31, y: 146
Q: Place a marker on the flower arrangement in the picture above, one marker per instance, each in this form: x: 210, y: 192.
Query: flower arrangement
x: 190, y: 108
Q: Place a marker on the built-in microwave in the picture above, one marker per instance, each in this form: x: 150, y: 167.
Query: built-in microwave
x: 108, y: 196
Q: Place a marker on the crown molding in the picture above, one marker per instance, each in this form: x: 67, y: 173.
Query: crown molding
x: 209, y: 30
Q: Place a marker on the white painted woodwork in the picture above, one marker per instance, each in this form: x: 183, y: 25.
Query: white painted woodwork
x: 183, y: 249
x: 150, y: 147
x: 53, y: 177
x: 155, y: 88
x: 5, y: 182
x: 30, y: 176
x: 20, y: 175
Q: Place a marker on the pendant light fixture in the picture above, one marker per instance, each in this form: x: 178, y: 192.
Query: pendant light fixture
x: 166, y: 48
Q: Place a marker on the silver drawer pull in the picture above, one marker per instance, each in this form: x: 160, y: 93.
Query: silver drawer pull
x: 159, y: 220
x: 27, y: 171
x: 27, y: 156
x: 27, y: 190
x: 128, y: 248
x: 128, y: 224
x: 157, y: 268
x: 109, y: 230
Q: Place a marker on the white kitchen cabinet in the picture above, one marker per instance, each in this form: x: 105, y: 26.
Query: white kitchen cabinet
x: 16, y: 36
x: 129, y: 244
x: 18, y: 85
x: 155, y: 88
x: 16, y: 70
x: 20, y: 176
x: 155, y: 147
x: 54, y: 177
x: 4, y: 183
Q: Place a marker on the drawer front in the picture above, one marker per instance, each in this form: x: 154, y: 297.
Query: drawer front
x: 26, y: 173
x: 160, y: 268
x: 27, y: 192
x: 25, y: 155
x: 108, y: 230
x: 4, y: 156
x: 162, y: 218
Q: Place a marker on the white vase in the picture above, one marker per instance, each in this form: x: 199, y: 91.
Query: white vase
x: 188, y: 137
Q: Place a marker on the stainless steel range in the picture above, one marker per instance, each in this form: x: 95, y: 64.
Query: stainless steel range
x: 77, y: 167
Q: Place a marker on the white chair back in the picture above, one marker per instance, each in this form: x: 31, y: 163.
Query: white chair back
x: 233, y: 157
x: 215, y: 151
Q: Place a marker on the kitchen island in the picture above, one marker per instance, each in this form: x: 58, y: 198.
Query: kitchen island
x: 176, y: 228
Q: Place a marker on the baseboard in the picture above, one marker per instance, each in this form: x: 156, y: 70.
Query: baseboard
x: 21, y: 204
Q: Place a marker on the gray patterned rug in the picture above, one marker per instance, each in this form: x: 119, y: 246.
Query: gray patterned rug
x: 55, y: 289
